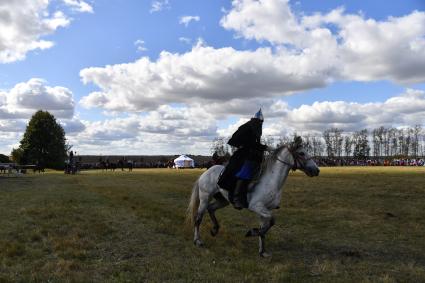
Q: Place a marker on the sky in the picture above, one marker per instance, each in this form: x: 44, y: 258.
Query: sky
x: 170, y: 76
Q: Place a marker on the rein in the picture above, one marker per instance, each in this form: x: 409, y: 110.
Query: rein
x: 297, y: 160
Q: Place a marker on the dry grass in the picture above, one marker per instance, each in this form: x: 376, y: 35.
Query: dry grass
x: 348, y: 225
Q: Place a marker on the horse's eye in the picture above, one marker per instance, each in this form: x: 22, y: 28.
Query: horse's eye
x: 302, y: 153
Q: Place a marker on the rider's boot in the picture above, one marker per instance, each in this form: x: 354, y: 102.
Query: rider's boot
x: 239, y: 194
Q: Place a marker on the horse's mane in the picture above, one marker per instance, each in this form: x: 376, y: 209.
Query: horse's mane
x: 272, y: 157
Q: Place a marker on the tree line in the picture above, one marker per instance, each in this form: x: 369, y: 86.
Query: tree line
x: 335, y: 143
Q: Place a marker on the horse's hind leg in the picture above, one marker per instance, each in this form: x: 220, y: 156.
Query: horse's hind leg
x: 198, y: 220
x: 212, y: 207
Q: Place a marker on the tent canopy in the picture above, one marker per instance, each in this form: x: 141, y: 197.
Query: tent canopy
x: 184, y: 161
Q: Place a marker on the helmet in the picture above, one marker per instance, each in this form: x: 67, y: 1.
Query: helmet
x: 259, y: 115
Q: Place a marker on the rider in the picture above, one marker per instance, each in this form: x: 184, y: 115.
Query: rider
x: 71, y: 157
x: 245, y: 161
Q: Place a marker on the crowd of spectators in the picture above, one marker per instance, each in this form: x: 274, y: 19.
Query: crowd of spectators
x: 321, y: 161
x: 128, y: 164
x: 325, y: 161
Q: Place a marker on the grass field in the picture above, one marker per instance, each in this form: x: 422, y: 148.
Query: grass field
x: 347, y: 225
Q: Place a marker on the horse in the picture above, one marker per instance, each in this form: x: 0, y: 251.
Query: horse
x: 262, y: 197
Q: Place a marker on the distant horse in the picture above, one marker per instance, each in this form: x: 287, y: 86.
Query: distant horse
x: 263, y: 197
x: 112, y: 166
x: 121, y: 164
x: 106, y: 165
x: 38, y: 168
x: 103, y: 165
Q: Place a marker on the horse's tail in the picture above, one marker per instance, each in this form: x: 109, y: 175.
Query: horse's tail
x: 192, y: 209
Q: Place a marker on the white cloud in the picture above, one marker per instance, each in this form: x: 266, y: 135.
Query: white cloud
x: 26, y: 98
x: 140, y: 45
x: 270, y: 20
x: 185, y: 20
x: 364, y: 49
x: 191, y: 129
x: 79, y: 6
x: 317, y: 57
x: 182, y: 121
x: 173, y: 130
x: 12, y: 126
x: 204, y: 75
x: 406, y: 109
x: 168, y: 130
x: 24, y: 23
x: 159, y: 5
x: 72, y: 126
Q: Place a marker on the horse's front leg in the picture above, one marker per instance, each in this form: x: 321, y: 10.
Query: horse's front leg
x: 267, y: 221
x: 266, y: 224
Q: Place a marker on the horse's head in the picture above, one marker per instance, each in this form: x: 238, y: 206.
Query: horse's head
x: 302, y: 160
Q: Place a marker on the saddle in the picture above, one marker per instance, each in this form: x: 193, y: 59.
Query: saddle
x: 227, y: 180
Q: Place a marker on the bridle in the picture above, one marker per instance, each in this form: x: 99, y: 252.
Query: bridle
x: 299, y: 161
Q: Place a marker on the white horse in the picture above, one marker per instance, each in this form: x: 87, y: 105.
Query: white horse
x: 263, y: 197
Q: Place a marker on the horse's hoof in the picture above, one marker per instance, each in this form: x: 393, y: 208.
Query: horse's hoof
x: 214, y: 232
x: 198, y: 243
x: 252, y: 232
x: 265, y: 255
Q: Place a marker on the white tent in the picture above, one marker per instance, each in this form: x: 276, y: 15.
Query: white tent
x: 184, y: 162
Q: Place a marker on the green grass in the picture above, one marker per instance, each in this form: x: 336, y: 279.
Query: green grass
x: 347, y: 225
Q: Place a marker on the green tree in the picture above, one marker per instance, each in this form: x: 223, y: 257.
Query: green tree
x: 44, y: 142
x: 17, y: 155
x: 4, y: 159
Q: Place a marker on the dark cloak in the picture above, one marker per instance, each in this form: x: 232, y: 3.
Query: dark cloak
x: 247, y: 141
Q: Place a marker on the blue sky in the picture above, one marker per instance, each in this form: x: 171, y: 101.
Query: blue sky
x: 310, y: 64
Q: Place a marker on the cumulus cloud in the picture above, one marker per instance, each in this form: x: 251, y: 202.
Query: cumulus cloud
x: 406, y: 109
x: 180, y: 121
x: 79, y: 6
x: 190, y: 129
x: 172, y: 130
x: 25, y: 98
x: 204, y: 74
x: 270, y: 20
x: 159, y: 5
x: 72, y: 126
x: 365, y: 49
x: 12, y: 126
x: 167, y: 130
x: 306, y: 54
x: 185, y: 20
x: 24, y: 23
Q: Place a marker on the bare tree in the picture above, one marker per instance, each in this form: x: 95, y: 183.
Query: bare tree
x: 220, y: 147
x: 417, y: 129
x: 361, y: 144
x: 333, y: 141
x: 348, y: 145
